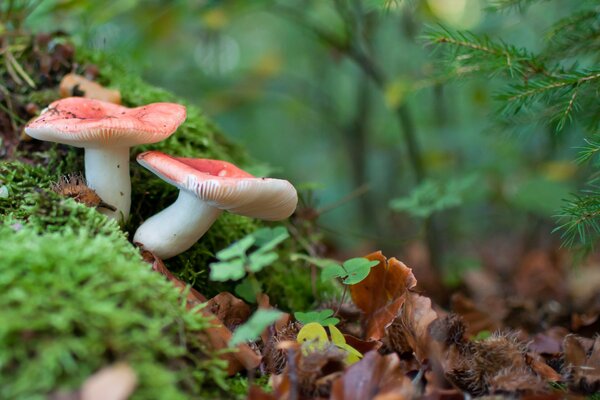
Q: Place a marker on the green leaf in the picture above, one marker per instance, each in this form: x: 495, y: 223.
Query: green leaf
x: 237, y: 249
x: 267, y: 238
x: 333, y: 271
x: 433, y: 196
x: 252, y: 329
x: 260, y: 260
x: 227, y: 270
x: 245, y: 289
x: 357, y: 269
x: 323, y: 317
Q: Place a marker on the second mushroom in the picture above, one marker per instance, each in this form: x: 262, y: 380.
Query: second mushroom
x: 207, y: 188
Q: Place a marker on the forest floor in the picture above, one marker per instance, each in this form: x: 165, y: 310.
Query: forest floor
x: 523, y: 325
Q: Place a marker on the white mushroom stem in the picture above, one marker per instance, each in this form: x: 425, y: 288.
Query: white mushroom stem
x: 107, y: 172
x: 176, y: 228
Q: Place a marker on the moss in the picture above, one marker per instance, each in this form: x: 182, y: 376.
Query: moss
x: 73, y: 302
x: 31, y: 202
x: 289, y: 286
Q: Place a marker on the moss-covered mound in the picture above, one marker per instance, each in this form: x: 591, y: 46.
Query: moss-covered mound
x: 74, y: 294
x: 73, y: 302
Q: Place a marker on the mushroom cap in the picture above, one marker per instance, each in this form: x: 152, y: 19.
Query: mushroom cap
x: 225, y: 186
x: 82, y: 122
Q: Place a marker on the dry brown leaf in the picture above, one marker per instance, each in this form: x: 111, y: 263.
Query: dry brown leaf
x: 77, y: 85
x: 582, y: 363
x: 116, y: 382
x: 538, y: 365
x: 229, y: 309
x: 540, y: 276
x: 374, y: 377
x: 549, y: 342
x: 308, y: 376
x: 476, y: 319
x: 265, y: 303
x: 416, y: 316
x: 381, y: 294
x: 219, y: 336
x: 256, y: 393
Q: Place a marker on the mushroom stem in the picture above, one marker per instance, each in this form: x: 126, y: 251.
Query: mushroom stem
x: 107, y: 172
x: 176, y: 228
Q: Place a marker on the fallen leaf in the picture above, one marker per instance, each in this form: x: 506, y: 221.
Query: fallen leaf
x: 229, y: 309
x: 116, y: 382
x: 582, y: 363
x: 541, y: 368
x: 373, y: 377
x: 541, y: 276
x: 308, y: 375
x: 264, y: 302
x: 77, y: 85
x: 381, y: 294
x: 475, y: 318
x: 416, y: 317
x: 256, y: 393
x: 218, y: 335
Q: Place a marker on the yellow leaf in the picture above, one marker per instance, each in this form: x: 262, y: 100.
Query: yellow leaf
x: 337, y: 337
x: 312, y: 337
x: 339, y: 340
x: 353, y: 354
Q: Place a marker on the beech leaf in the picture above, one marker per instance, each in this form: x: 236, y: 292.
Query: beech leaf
x: 382, y: 293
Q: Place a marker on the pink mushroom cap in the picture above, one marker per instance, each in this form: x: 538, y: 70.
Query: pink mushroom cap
x: 225, y: 186
x: 82, y: 122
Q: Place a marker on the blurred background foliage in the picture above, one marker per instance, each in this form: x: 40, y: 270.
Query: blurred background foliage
x: 343, y: 97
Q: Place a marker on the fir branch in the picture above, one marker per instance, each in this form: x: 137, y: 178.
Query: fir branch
x: 468, y: 53
x: 586, y: 153
x: 575, y: 34
x: 498, y: 5
x: 557, y: 92
x: 581, y: 216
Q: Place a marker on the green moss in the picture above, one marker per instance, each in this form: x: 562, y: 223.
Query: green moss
x: 73, y: 302
x: 30, y: 202
x: 289, y: 286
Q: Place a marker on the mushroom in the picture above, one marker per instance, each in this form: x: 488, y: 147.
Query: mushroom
x: 206, y: 188
x: 106, y: 131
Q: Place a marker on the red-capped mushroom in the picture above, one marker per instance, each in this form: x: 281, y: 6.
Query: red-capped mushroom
x: 106, y: 131
x: 207, y: 187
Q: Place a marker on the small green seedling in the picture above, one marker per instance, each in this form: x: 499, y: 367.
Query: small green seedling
x: 351, y: 272
x: 322, y: 317
x: 236, y: 262
x: 252, y: 329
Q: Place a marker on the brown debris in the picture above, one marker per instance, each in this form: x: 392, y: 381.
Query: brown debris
x: 229, y: 309
x: 582, y: 364
x: 75, y: 187
x: 274, y: 358
x: 218, y: 336
x: 382, y: 293
x: 495, y: 365
x: 475, y: 319
x: 308, y: 375
x: 77, y: 85
x: 373, y: 377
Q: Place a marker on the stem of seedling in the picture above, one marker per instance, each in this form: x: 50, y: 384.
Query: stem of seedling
x: 341, y: 301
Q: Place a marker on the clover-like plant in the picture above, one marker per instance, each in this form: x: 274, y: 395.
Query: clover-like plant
x: 321, y: 317
x: 246, y: 257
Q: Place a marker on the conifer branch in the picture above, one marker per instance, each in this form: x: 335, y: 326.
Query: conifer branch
x: 498, y: 5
